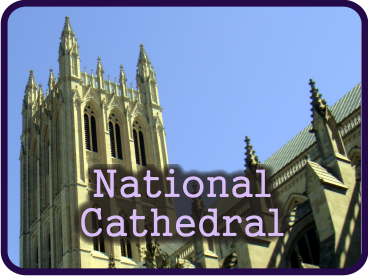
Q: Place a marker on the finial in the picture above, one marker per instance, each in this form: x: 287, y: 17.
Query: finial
x: 67, y: 27
x: 31, y: 79
x: 251, y: 158
x: 99, y: 66
x: 51, y: 69
x: 121, y: 67
x: 142, y: 54
x: 317, y: 101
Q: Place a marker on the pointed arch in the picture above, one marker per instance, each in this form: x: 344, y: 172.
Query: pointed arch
x: 115, y: 131
x: 91, y: 122
x: 139, y: 142
x: 293, y: 201
x: 98, y: 241
x: 125, y: 242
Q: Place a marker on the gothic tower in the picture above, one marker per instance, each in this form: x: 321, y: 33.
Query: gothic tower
x: 84, y: 120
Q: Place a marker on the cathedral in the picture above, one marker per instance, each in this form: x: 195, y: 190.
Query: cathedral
x: 85, y: 119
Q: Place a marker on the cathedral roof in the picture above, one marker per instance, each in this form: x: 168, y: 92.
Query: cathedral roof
x: 304, y: 139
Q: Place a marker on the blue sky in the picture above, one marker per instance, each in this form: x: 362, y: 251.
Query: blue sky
x: 222, y: 73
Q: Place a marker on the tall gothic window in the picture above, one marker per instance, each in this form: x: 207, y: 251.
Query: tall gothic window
x: 140, y: 153
x: 98, y: 241
x: 115, y: 137
x: 306, y: 250
x: 125, y: 244
x: 90, y: 129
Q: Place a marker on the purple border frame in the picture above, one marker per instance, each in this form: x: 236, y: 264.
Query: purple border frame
x: 138, y: 271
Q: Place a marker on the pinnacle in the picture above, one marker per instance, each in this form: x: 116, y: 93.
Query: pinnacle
x: 51, y: 79
x: 142, y: 54
x: 251, y: 158
x: 99, y: 66
x: 317, y: 101
x: 31, y: 79
x: 67, y: 27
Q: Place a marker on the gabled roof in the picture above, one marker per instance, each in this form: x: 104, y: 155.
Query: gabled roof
x: 304, y: 139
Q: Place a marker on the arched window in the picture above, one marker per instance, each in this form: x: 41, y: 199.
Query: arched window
x: 90, y: 129
x: 115, y: 137
x: 306, y: 250
x: 140, y: 153
x: 98, y: 241
x: 125, y: 244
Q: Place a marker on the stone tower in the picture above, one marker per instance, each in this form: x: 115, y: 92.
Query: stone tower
x: 83, y: 120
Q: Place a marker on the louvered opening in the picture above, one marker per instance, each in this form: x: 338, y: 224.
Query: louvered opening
x: 118, y: 141
x: 136, y: 147
x: 129, y: 249
x: 94, y: 134
x: 94, y: 228
x: 143, y: 152
x: 122, y: 246
x: 86, y: 132
x: 112, y: 140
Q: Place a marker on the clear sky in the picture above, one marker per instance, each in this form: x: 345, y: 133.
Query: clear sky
x: 222, y: 73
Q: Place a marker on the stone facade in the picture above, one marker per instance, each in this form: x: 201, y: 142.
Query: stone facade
x: 314, y: 182
x: 85, y: 119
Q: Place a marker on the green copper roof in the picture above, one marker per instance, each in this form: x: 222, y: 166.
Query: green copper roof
x: 341, y: 109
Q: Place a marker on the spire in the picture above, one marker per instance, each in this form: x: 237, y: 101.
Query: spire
x: 122, y: 78
x: 251, y: 159
x: 52, y: 81
x: 67, y: 27
x: 31, y: 80
x: 143, y: 55
x: 317, y: 102
x: 41, y: 96
x: 99, y: 66
x: 69, y: 62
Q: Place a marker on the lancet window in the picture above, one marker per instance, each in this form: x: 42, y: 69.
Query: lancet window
x: 125, y: 244
x: 90, y: 129
x: 115, y: 137
x: 98, y: 241
x: 140, y: 153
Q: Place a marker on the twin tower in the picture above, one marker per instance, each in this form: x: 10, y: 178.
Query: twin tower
x: 83, y: 120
